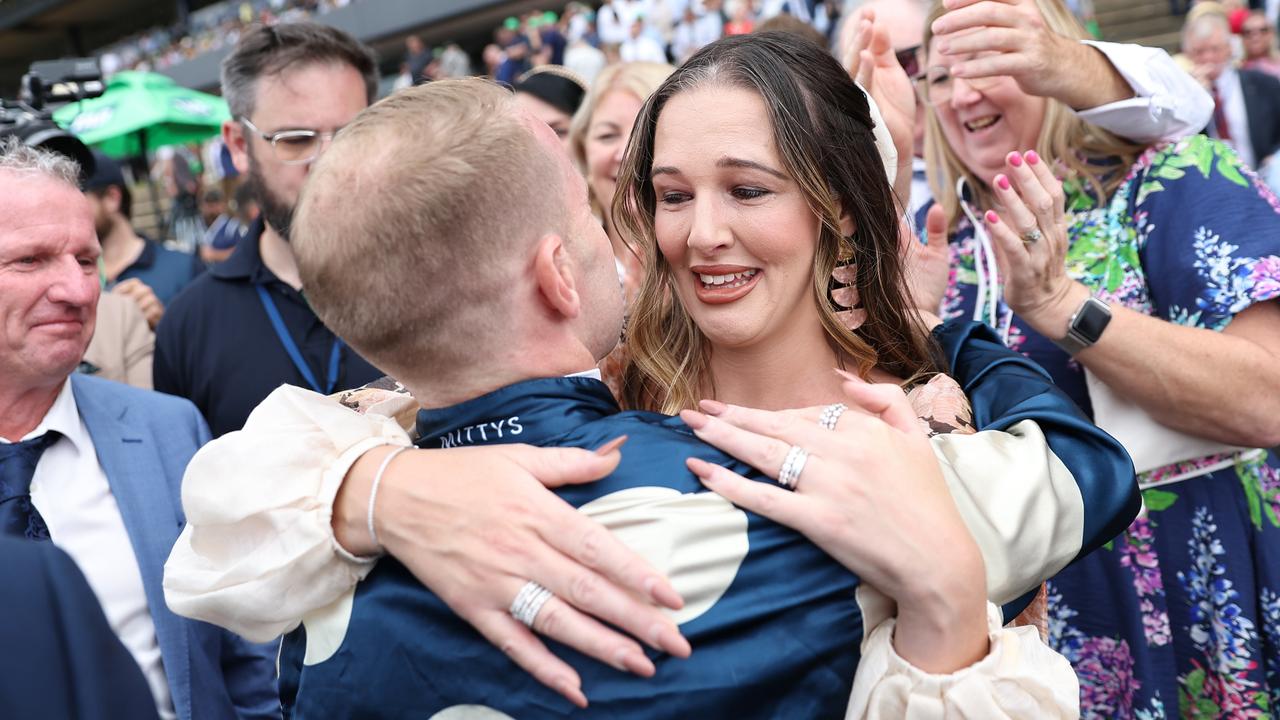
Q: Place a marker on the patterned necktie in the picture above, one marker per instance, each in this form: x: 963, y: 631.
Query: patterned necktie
x: 1220, y: 116
x: 18, y: 517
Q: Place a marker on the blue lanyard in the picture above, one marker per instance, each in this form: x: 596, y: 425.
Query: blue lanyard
x: 277, y: 322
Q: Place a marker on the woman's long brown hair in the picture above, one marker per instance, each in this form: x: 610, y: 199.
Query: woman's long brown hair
x: 823, y: 130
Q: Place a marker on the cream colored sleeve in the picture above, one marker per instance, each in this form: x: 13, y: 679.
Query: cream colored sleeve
x: 1020, y: 678
x: 1019, y: 501
x: 258, y: 551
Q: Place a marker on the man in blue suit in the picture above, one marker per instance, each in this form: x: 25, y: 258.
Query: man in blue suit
x: 95, y: 466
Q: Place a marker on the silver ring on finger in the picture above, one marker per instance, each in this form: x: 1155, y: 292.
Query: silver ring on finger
x: 1032, y: 236
x: 792, y: 466
x: 831, y: 415
x: 528, y: 603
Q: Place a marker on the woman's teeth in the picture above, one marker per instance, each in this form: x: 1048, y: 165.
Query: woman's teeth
x: 981, y: 123
x: 731, y: 280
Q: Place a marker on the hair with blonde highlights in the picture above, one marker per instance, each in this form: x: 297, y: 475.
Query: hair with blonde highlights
x: 638, y: 78
x: 823, y: 130
x: 1090, y: 155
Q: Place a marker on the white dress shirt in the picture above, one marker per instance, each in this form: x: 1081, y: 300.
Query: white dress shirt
x: 796, y: 8
x: 1232, y: 95
x: 70, y: 491
x: 631, y: 10
x: 609, y: 26
x: 1168, y: 103
x: 689, y: 38
x: 642, y: 49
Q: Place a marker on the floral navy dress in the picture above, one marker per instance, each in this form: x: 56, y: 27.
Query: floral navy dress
x: 1179, y: 615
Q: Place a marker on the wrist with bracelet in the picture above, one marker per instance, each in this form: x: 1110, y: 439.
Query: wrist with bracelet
x: 373, y: 492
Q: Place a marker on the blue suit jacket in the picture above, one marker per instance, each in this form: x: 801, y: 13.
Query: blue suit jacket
x: 60, y: 658
x: 144, y: 441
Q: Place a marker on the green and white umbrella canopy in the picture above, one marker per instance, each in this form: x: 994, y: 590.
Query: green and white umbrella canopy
x: 142, y: 111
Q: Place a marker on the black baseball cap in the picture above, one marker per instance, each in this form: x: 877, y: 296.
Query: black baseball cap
x: 106, y: 172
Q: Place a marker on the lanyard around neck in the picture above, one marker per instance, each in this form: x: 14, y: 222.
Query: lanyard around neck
x: 290, y: 347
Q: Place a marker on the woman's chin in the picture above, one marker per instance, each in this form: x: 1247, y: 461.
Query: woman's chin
x: 730, y: 336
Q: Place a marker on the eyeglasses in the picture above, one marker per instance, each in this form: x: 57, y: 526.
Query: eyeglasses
x: 937, y: 87
x: 294, y: 147
x: 909, y: 59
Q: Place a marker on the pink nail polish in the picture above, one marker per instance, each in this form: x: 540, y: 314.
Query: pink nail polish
x: 1014, y: 159
x: 1002, y: 182
x: 693, y: 419
x: 992, y: 217
x: 612, y: 445
x: 1032, y: 157
x: 712, y: 407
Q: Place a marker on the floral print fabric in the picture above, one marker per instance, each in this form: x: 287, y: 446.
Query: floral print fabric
x: 1180, y: 615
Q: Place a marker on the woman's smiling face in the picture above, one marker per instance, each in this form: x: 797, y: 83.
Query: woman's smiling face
x: 736, y: 230
x: 983, y: 120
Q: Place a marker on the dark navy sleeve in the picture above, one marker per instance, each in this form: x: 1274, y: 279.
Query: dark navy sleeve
x: 166, y: 374
x: 59, y: 657
x: 1005, y: 388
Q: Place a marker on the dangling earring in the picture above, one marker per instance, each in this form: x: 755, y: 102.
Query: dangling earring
x: 843, y: 288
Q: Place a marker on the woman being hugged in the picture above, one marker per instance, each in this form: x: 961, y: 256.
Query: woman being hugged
x: 753, y: 173
x: 1146, y: 284
x: 756, y: 169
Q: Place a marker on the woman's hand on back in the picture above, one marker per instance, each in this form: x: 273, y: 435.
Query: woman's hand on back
x: 474, y: 524
x: 864, y: 495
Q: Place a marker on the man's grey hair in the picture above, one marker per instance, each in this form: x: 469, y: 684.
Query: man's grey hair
x: 265, y: 50
x: 1204, y: 25
x: 15, y: 156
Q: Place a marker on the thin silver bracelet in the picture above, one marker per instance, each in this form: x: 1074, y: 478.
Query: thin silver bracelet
x: 373, y: 491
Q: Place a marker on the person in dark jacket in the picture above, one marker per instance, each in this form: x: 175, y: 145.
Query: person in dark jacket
x: 60, y: 658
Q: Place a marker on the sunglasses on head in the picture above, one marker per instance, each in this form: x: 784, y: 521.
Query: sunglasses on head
x: 909, y: 59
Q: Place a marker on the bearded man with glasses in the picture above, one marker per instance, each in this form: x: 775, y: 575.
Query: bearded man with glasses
x: 244, y: 328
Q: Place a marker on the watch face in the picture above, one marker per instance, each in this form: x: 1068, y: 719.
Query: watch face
x: 1092, y: 320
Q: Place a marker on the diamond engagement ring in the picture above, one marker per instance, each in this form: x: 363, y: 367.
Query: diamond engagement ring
x: 792, y: 466
x: 1031, y: 236
x: 529, y: 602
x: 831, y: 415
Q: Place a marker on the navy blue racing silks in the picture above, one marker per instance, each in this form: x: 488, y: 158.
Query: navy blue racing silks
x: 773, y: 621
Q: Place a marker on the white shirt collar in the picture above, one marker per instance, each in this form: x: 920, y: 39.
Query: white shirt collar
x: 63, y: 417
x: 1226, y: 81
x: 593, y: 373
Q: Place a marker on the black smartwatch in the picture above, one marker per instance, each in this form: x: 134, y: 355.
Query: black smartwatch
x: 1086, y: 326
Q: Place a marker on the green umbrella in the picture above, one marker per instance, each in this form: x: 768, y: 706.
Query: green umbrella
x: 142, y: 111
